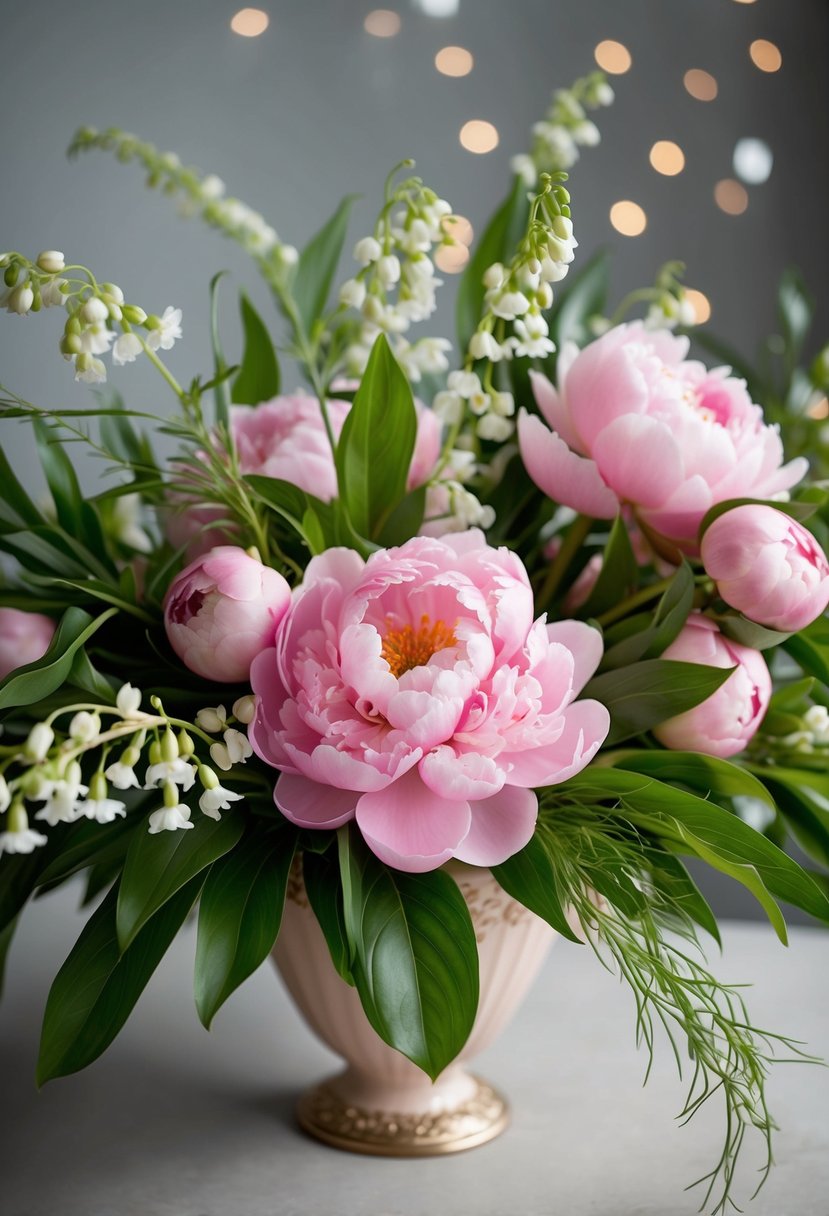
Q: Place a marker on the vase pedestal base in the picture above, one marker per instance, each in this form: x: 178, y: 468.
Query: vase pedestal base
x: 348, y: 1112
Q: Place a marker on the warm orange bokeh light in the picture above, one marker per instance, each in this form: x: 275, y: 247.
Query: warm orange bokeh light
x: 382, y: 23
x: 820, y: 409
x: 459, y: 227
x: 454, y: 61
x: 667, y: 157
x: 613, y: 57
x: 451, y: 259
x: 628, y: 218
x: 700, y: 304
x: 765, y: 55
x: 478, y: 136
x: 250, y: 22
x: 730, y: 196
x: 700, y: 84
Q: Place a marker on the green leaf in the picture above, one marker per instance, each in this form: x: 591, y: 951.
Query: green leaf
x: 619, y: 573
x: 89, y: 843
x: 810, y: 648
x: 697, y: 827
x: 708, y: 774
x: 805, y: 818
x: 239, y: 916
x: 97, y: 987
x: 158, y: 866
x: 656, y: 636
x: 29, y: 684
x: 584, y: 296
x: 748, y: 633
x: 647, y: 693
x: 323, y: 886
x: 220, y: 393
x: 375, y: 448
x: 258, y: 377
x: 414, y: 957
x: 405, y: 520
x: 795, y: 309
x: 310, y: 517
x: 21, y: 511
x: 497, y: 244
x: 530, y: 878
x: 84, y: 675
x: 318, y: 265
x: 75, y: 515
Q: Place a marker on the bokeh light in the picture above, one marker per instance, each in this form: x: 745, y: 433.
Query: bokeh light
x: 701, y: 305
x: 451, y: 259
x: 454, y: 61
x: 628, y: 218
x: 613, y: 57
x: 820, y: 409
x: 667, y: 157
x: 438, y: 8
x: 382, y: 23
x: 730, y: 196
x: 478, y: 136
x: 700, y: 84
x: 753, y: 160
x: 765, y: 55
x: 459, y: 227
x: 249, y: 22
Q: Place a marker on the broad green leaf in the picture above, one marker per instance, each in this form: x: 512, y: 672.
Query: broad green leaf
x: 618, y: 575
x: 375, y: 448
x: 744, y: 873
x: 530, y: 878
x: 690, y: 824
x: 748, y: 633
x: 805, y: 818
x: 645, y: 694
x: 810, y: 648
x: 405, y: 520
x: 497, y: 244
x: 793, y: 696
x: 325, y: 895
x: 158, y: 866
x: 659, y: 630
x: 310, y: 517
x: 76, y: 516
x: 29, y: 684
x: 220, y: 393
x: 708, y: 774
x: 414, y: 957
x: 318, y: 265
x: 239, y: 916
x: 97, y: 987
x: 258, y: 376
x: 584, y: 295
x: 21, y: 511
x: 84, y: 675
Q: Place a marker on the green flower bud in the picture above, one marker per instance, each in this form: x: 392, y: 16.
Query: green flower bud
x: 170, y: 794
x: 73, y: 325
x: 155, y: 752
x: 208, y: 778
x: 10, y: 274
x: 169, y: 747
x: 186, y: 746
x: 98, y: 789
x: 134, y: 314
x: 70, y: 344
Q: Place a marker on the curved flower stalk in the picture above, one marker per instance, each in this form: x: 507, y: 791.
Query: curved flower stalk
x: 564, y: 129
x: 45, y: 767
x: 99, y: 318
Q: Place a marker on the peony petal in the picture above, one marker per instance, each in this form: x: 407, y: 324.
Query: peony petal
x: 554, y: 410
x: 461, y: 776
x: 585, y: 645
x: 639, y: 457
x: 425, y: 718
x: 410, y: 827
x: 500, y: 826
x: 604, y: 383
x: 565, y: 477
x: 586, y: 724
x: 311, y: 805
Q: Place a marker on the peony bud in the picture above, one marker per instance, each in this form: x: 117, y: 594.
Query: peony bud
x: 767, y: 566
x: 24, y: 638
x: 222, y: 610
x: 725, y: 722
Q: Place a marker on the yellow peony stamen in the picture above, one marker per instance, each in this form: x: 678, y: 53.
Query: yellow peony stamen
x: 406, y: 648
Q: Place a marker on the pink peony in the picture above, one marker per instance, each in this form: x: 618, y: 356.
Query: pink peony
x: 222, y: 610
x: 767, y: 566
x: 24, y: 638
x: 634, y: 422
x: 725, y: 722
x: 416, y: 693
x: 285, y: 438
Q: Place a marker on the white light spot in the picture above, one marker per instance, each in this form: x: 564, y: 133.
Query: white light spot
x: 753, y: 160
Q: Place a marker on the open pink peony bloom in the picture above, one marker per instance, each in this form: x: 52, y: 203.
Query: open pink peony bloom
x: 416, y: 692
x: 222, y: 611
x: 286, y: 438
x: 725, y: 722
x: 767, y: 566
x: 634, y: 422
x: 24, y: 638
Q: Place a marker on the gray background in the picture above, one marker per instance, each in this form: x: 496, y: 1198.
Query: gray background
x: 316, y: 108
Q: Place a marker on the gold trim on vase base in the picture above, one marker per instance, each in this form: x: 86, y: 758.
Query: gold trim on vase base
x: 325, y: 1116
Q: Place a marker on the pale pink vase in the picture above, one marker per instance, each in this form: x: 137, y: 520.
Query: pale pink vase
x: 382, y: 1103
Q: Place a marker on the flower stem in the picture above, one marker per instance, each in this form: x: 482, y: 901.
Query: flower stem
x: 570, y: 546
x: 634, y: 601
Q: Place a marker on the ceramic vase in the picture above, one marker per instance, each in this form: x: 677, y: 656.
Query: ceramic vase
x: 382, y: 1103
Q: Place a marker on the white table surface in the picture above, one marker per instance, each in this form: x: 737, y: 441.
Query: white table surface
x: 173, y: 1121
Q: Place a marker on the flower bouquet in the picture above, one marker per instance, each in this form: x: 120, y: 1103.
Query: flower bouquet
x: 522, y: 634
